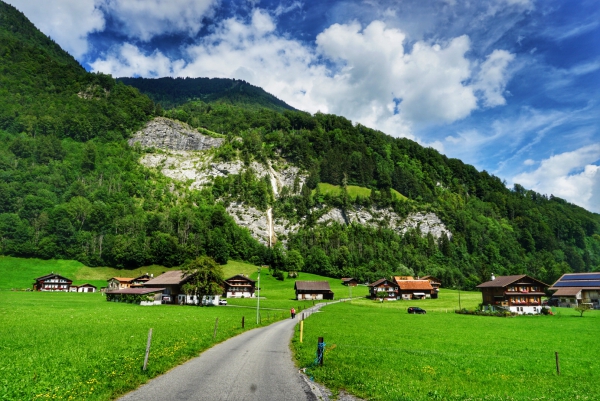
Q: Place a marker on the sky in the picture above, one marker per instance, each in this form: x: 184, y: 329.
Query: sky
x: 509, y: 86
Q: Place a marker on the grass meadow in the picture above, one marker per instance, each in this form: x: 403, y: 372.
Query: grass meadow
x: 353, y: 191
x: 380, y: 352
x: 78, y: 346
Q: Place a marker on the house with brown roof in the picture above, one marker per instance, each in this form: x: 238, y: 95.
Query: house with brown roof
x: 172, y: 282
x: 413, y: 289
x: 83, y: 288
x: 349, y: 281
x: 572, y: 289
x: 52, y: 282
x: 313, y: 290
x: 519, y: 293
x: 239, y: 286
x: 384, y: 289
x: 118, y: 283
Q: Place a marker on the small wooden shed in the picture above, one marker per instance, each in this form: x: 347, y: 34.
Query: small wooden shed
x: 313, y: 290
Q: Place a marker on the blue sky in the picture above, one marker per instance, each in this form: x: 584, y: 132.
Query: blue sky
x: 510, y: 86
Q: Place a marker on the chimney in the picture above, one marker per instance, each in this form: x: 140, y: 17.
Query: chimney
x: 493, y: 277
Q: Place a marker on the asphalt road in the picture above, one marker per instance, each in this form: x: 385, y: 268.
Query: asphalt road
x: 256, y: 365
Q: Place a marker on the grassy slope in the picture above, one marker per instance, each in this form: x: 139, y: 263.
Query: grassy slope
x: 353, y: 191
x: 380, y: 352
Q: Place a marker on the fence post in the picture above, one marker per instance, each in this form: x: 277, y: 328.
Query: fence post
x: 147, y: 349
x: 242, y: 322
x: 557, y: 364
x: 216, y: 326
x: 320, y: 351
x: 301, y: 329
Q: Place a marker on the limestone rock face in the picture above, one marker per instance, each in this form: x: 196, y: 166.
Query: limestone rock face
x: 163, y: 133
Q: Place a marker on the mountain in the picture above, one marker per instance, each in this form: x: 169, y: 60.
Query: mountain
x: 172, y: 92
x: 92, y: 169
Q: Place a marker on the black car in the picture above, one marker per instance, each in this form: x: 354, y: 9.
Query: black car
x: 417, y: 310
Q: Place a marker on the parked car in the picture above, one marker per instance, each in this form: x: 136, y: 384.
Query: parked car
x: 417, y: 310
x: 222, y: 302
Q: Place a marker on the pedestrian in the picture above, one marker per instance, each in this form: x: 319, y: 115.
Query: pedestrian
x: 293, y: 313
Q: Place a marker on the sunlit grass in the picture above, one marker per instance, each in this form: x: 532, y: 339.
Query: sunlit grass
x: 353, y: 191
x: 380, y: 352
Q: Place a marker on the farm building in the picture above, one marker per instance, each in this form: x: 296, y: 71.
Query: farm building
x: 84, y: 288
x: 52, y: 282
x: 316, y: 290
x: 142, y: 296
x: 385, y: 287
x: 519, y: 294
x: 435, y: 283
x: 171, y: 283
x: 118, y: 283
x: 413, y: 289
x: 141, y: 280
x: 573, y: 289
x: 349, y: 281
x: 239, y: 286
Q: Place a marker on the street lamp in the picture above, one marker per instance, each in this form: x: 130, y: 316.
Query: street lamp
x: 258, y: 297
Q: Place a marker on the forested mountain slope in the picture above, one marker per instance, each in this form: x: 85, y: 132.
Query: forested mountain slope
x: 71, y: 186
x: 171, y: 92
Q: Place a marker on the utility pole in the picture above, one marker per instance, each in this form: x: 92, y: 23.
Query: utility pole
x: 258, y: 298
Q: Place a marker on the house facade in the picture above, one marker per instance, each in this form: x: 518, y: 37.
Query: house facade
x: 435, y: 283
x: 385, y: 287
x: 52, y: 282
x: 239, y: 286
x: 118, y: 283
x: 313, y: 290
x: 171, y: 283
x: 84, y: 288
x: 519, y: 293
x: 572, y: 289
x: 349, y: 281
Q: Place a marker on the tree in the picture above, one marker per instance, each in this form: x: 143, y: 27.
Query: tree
x: 204, y: 277
x: 294, y: 261
x: 582, y: 308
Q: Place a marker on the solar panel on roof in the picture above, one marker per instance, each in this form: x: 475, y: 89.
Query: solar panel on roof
x: 578, y: 283
x: 587, y: 276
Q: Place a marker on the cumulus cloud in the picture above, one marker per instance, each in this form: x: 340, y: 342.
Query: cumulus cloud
x: 68, y: 22
x: 144, y: 19
x: 570, y: 175
x: 493, y: 77
x: 364, y: 73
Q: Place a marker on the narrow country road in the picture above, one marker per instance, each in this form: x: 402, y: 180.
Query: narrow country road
x: 256, y: 365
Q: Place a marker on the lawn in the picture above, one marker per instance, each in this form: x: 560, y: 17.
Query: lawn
x: 353, y: 191
x: 380, y: 352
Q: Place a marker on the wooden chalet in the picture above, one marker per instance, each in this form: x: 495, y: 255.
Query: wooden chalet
x: 118, y: 283
x: 141, y: 280
x: 384, y: 286
x: 519, y: 293
x: 349, y: 281
x: 52, y: 282
x: 84, y: 288
x: 413, y: 289
x: 239, y: 286
x: 572, y: 289
x: 315, y: 290
x: 171, y: 283
x: 435, y: 283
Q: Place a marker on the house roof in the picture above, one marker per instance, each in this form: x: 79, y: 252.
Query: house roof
x: 173, y: 277
x: 47, y: 276
x: 312, y: 285
x: 567, y: 292
x: 431, y: 278
x: 135, y: 291
x: 591, y: 280
x: 85, y: 285
x: 505, y: 281
x: 417, y: 285
x: 344, y: 279
x: 121, y: 279
x: 240, y: 277
x: 381, y: 281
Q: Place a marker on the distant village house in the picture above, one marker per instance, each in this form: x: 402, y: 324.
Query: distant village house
x: 239, y: 286
x: 573, y: 289
x: 313, y: 290
x: 519, y: 293
x: 52, y: 282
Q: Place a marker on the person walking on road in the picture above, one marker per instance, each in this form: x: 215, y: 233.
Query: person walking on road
x: 293, y: 313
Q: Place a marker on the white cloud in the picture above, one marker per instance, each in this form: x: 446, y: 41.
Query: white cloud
x: 365, y: 74
x: 144, y: 19
x: 570, y: 175
x: 493, y: 77
x: 529, y: 162
x: 68, y: 22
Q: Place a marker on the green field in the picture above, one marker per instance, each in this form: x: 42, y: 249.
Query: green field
x: 353, y: 191
x: 78, y: 346
x: 380, y: 352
